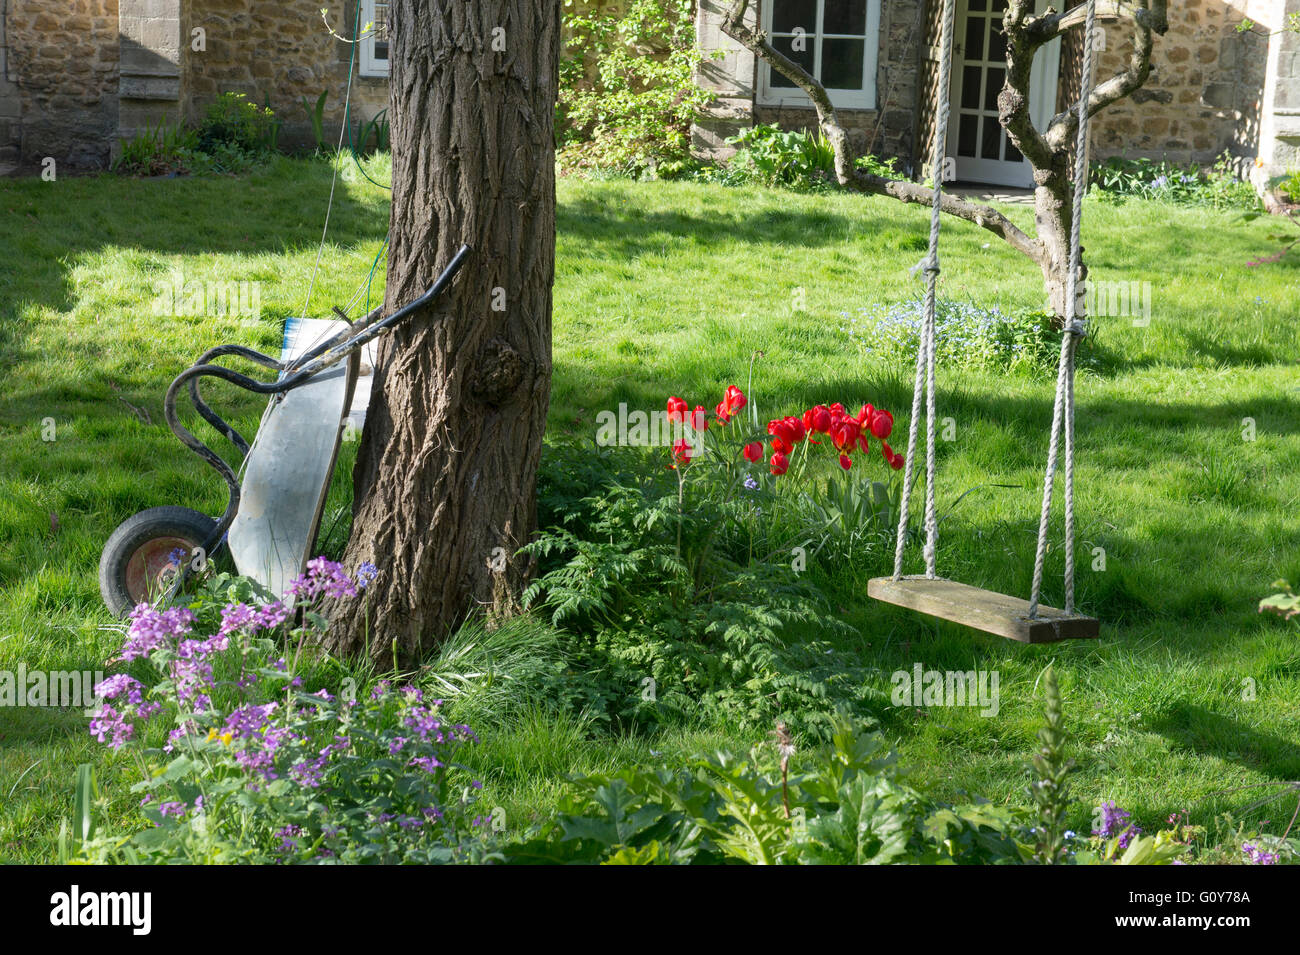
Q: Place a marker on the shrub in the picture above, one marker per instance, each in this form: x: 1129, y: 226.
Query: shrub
x: 232, y: 121
x: 1289, y: 185
x: 628, y: 93
x: 257, y: 769
x: 158, y: 151
x: 1218, y: 186
x: 680, y: 577
x: 966, y: 334
x: 849, y: 807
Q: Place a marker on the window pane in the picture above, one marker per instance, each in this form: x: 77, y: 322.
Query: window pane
x: 788, y: 14
x: 993, y: 87
x: 381, y: 31
x: 845, y: 16
x: 997, y: 43
x: 990, y: 148
x: 974, y: 48
x: 978, y: 5
x: 970, y: 87
x: 785, y: 44
x: 1013, y: 154
x: 842, y: 64
x: 967, y: 130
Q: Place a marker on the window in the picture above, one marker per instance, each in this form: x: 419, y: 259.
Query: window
x: 834, y: 40
x: 374, y: 43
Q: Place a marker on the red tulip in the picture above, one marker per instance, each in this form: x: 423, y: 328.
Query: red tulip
x: 721, y: 411
x: 682, y: 450
x: 797, y: 428
x: 780, y: 445
x: 677, y: 410
x: 821, y: 419
x: 863, y: 443
x: 780, y: 463
x: 753, y: 451
x: 846, y: 462
x: 837, y: 409
x: 864, y: 416
x: 845, y: 435
x: 808, y: 420
x: 735, y: 399
x: 699, y: 419
x: 882, y: 423
x: 897, y: 462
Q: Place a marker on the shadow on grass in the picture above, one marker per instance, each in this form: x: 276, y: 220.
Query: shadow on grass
x: 1208, y: 733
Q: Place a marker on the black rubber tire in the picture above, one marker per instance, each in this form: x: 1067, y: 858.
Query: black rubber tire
x: 132, y: 534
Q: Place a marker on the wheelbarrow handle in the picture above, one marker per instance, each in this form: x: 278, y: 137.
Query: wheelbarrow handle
x: 331, y: 351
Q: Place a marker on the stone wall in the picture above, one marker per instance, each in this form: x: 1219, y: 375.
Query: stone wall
x: 280, y: 50
x: 733, y: 79
x: 1279, y: 146
x: 60, y: 72
x: 1204, y: 93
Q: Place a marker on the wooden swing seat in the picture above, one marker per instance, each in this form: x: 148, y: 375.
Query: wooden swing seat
x: 982, y: 609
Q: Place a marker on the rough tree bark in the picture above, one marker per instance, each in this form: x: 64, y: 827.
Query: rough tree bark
x: 1048, y: 151
x: 445, y: 481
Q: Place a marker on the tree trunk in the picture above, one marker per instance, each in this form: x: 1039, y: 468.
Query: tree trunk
x: 1053, y: 211
x: 446, y: 476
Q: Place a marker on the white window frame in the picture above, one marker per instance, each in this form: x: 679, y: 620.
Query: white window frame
x: 370, y: 64
x: 864, y: 98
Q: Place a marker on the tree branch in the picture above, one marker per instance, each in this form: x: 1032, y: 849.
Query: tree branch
x: 1013, y: 99
x: 846, y: 171
x: 1149, y: 17
x: 986, y: 217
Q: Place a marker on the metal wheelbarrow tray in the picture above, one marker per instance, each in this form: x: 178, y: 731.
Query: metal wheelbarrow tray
x: 272, y: 517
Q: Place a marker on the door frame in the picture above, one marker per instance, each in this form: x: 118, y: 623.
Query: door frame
x: 1044, y: 77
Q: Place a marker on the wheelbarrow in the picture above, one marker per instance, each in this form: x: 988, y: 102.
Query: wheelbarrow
x: 271, y: 521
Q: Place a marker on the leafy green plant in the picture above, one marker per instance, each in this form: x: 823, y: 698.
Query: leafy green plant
x: 628, y: 93
x: 1289, y: 185
x: 847, y: 805
x: 158, y: 150
x: 1050, y: 788
x: 316, y: 114
x: 774, y: 156
x: 378, y: 128
x: 1285, y: 603
x: 1217, y: 186
x: 232, y: 120
x: 967, y: 335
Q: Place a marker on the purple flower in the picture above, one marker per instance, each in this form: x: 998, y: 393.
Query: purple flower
x: 429, y: 764
x: 1115, y: 822
x: 114, y: 686
x: 249, y: 721
x: 151, y: 629
x: 1257, y: 856
x: 272, y: 615
x: 176, y: 809
x: 366, y: 573
x: 323, y: 576
x: 238, y: 616
x: 107, y: 723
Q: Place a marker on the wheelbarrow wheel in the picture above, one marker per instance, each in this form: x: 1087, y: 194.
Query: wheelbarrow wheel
x: 146, y: 551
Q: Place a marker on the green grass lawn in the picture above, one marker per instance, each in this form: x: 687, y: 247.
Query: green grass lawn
x: 668, y: 288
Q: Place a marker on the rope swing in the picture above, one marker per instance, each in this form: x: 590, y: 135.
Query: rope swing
x: 1027, y: 621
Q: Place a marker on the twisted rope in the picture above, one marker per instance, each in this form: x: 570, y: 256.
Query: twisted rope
x: 1063, y: 408
x: 925, y: 352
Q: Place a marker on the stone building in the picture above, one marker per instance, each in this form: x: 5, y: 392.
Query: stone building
x: 80, y: 75
x: 1218, y: 84
x: 76, y: 76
